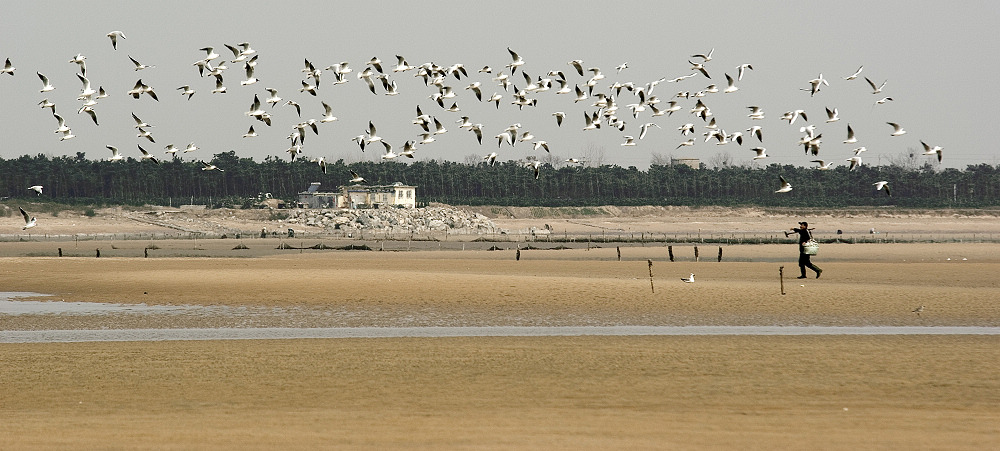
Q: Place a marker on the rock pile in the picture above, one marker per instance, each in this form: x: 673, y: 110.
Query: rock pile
x: 395, y: 220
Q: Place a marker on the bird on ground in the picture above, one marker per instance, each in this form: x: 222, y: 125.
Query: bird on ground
x: 46, y: 86
x: 114, y: 35
x: 355, y: 178
x: 8, y: 68
x: 917, y: 310
x: 928, y: 150
x: 115, y: 155
x: 855, y: 74
x: 37, y: 189
x: 29, y: 221
x: 785, y: 186
x: 689, y: 279
x: 883, y: 184
x: 855, y: 162
x: 896, y: 129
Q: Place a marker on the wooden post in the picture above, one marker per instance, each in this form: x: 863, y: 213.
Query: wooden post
x: 619, y: 249
x: 720, y: 253
x: 145, y: 252
x: 517, y: 257
x: 781, y: 277
x: 60, y: 252
x: 651, y: 290
x: 670, y: 252
x: 696, y: 253
x: 98, y: 253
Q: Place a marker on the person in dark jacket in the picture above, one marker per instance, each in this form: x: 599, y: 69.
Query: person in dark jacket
x: 805, y: 234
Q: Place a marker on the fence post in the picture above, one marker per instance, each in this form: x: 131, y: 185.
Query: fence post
x: 696, y: 253
x: 720, y: 253
x: 670, y: 252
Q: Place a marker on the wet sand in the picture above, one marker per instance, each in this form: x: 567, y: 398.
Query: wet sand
x: 581, y: 392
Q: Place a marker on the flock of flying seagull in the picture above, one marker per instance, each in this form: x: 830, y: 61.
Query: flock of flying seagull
x: 610, y: 106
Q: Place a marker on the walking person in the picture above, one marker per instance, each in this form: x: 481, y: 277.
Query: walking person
x: 805, y: 235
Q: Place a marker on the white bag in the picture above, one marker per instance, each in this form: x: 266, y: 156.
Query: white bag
x: 810, y: 247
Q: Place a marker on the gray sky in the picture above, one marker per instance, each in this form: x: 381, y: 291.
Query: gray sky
x: 939, y: 60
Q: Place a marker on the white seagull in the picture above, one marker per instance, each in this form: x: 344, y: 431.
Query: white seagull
x: 46, y: 86
x: 928, y: 150
x: 761, y: 153
x: 823, y: 166
x: 37, y: 189
x: 114, y: 35
x: 355, y: 178
x: 29, y: 221
x: 785, y: 186
x: 883, y: 184
x: 855, y: 162
x: 689, y: 279
x: 115, y: 155
x: 851, y: 139
x: 896, y: 129
x: 855, y: 74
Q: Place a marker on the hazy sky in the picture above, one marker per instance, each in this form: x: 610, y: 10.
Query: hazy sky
x: 939, y: 60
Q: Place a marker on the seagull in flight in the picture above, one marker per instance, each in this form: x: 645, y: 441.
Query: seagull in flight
x: 46, y: 86
x: 706, y: 57
x: 823, y: 166
x: 8, y: 68
x: 896, y: 129
x: 114, y: 35
x: 928, y: 150
x: 115, y: 155
x: 355, y: 178
x: 883, y: 184
x: 29, y: 221
x: 855, y: 74
x: 851, y: 139
x: 139, y: 66
x: 785, y: 186
x: 37, y: 189
x: 876, y: 89
x: 855, y: 162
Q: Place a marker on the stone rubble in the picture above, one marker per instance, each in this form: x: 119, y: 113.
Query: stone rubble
x: 394, y: 220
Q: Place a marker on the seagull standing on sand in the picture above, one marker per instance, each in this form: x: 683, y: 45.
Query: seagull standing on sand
x: 689, y: 279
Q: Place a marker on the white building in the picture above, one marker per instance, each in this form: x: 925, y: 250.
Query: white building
x: 360, y: 196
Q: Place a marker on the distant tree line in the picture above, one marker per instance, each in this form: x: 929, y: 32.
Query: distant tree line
x: 78, y: 180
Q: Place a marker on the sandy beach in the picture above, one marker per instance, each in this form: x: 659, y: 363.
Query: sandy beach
x: 640, y: 392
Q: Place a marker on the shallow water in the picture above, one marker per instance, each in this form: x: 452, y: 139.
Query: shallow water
x: 273, y: 333
x: 8, y: 306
